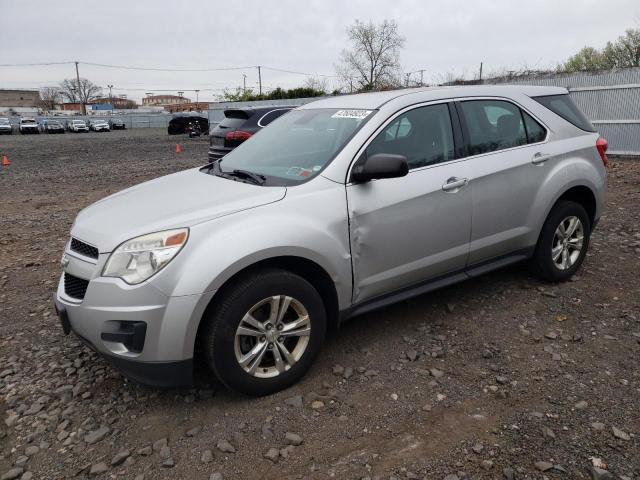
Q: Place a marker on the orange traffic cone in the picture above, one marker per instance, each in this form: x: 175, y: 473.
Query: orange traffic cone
x: 5, y: 161
x: 178, y: 148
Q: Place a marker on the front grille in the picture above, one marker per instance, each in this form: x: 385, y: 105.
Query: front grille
x: 84, y: 248
x: 75, y: 287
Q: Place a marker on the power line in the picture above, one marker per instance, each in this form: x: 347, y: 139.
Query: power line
x: 299, y: 73
x: 34, y: 64
x: 154, y: 69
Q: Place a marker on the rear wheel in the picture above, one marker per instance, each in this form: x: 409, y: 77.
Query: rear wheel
x: 263, y: 333
x: 563, y: 242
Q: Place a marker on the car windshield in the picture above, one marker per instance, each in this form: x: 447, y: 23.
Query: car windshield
x: 28, y: 121
x: 55, y: 123
x: 78, y: 122
x: 4, y: 121
x: 295, y: 147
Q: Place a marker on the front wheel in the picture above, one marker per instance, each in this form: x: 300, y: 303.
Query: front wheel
x: 563, y: 242
x: 263, y: 333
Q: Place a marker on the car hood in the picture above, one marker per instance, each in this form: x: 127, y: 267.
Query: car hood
x: 179, y: 200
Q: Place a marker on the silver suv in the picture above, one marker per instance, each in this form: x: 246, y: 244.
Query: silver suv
x: 339, y: 207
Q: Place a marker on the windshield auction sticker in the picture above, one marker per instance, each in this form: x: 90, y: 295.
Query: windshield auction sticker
x: 357, y: 114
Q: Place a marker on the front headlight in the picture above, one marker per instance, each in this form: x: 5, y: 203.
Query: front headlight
x: 139, y: 258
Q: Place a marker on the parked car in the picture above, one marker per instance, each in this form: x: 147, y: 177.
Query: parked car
x: 28, y: 125
x: 5, y: 126
x: 179, y: 123
x: 99, y: 126
x: 240, y: 124
x: 342, y: 206
x: 52, y: 126
x: 77, y: 126
x: 117, y: 124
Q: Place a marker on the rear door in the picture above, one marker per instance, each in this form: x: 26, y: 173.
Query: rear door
x: 404, y: 231
x: 509, y: 157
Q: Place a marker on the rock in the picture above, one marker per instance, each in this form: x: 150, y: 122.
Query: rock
x: 348, y: 373
x: 225, y: 446
x: 207, y: 456
x: 216, y: 476
x: 598, y: 426
x: 338, y: 370
x: 502, y: 380
x: 600, y: 474
x: 139, y: 477
x: 477, y: 448
x: 581, y: 405
x: 293, y: 439
x: 548, y: 433
x: 487, y: 464
x: 317, y: 404
x: 31, y: 450
x: 98, y: 468
x: 145, y: 451
x: 508, y: 473
x: 158, y: 444
x: 96, y: 435
x: 193, y: 432
x: 543, y: 466
x: 27, y: 476
x: 551, y: 335
x: 12, y: 474
x: 168, y: 463
x: 450, y: 307
x: 451, y: 476
x: 412, y: 355
x: 295, y: 401
x: 165, y: 452
x: 622, y: 435
x: 272, y: 454
x: 394, y: 396
x: 120, y: 457
x: 436, y: 373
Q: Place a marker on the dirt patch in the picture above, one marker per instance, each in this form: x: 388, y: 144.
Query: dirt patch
x: 496, y: 373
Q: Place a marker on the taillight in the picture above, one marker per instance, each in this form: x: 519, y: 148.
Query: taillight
x: 237, y: 136
x: 602, y: 145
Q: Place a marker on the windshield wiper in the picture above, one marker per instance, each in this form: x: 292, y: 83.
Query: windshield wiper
x: 256, y: 178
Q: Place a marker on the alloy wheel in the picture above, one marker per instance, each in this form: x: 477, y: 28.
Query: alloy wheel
x: 568, y: 240
x: 272, y: 336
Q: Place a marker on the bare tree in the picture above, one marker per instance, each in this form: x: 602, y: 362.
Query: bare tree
x: 373, y: 61
x: 316, y: 83
x: 50, y: 97
x: 82, y: 93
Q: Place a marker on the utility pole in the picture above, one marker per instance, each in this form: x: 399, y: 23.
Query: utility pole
x: 244, y: 83
x: 480, y: 72
x: 83, y: 109
x: 197, y: 97
x: 407, y: 80
x: 110, y: 97
x: 421, y: 77
x: 260, y: 79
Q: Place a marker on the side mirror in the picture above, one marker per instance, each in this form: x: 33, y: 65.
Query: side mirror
x: 380, y: 165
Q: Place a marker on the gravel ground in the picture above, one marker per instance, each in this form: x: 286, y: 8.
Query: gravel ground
x: 498, y: 377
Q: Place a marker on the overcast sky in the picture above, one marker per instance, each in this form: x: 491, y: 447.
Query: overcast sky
x: 300, y: 35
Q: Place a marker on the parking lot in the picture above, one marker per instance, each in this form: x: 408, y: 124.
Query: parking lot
x: 502, y: 376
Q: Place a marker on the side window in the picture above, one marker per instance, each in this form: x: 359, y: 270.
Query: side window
x: 423, y: 135
x: 493, y: 125
x: 535, y: 131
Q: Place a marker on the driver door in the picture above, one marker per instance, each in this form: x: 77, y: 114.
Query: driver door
x: 406, y: 231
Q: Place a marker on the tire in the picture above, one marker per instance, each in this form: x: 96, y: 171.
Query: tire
x: 222, y: 347
x: 551, y: 238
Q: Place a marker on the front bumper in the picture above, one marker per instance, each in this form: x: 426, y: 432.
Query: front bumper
x: 142, y: 332
x: 216, y: 154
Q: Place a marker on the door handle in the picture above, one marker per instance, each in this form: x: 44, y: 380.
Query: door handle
x: 539, y: 158
x: 454, y: 184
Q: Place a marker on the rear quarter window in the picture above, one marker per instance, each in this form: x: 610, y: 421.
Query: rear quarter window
x: 269, y: 117
x: 563, y: 106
